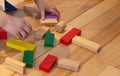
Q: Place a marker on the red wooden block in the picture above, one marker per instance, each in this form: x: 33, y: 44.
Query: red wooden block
x: 47, y: 63
x: 3, y: 34
x: 67, y: 38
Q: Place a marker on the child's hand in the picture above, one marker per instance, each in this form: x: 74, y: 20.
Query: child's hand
x: 44, y: 7
x: 16, y: 26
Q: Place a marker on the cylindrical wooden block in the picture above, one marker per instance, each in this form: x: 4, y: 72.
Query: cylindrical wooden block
x: 60, y: 26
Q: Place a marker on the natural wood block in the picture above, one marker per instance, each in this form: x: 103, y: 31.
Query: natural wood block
x: 4, y: 71
x: 31, y: 11
x: 86, y: 43
x: 69, y: 64
x: 110, y: 71
x: 41, y: 32
x: 15, y: 65
x: 60, y: 26
x: 49, y: 21
x: 20, y: 45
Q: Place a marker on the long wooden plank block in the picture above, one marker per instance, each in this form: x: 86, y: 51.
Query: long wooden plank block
x: 20, y: 45
x: 100, y: 61
x: 93, y: 13
x: 110, y: 71
x: 15, y: 65
x: 86, y: 43
x: 69, y: 64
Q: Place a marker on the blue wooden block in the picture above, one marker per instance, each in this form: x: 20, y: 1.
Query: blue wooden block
x: 9, y: 7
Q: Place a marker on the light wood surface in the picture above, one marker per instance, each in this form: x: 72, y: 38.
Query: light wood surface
x: 99, y: 21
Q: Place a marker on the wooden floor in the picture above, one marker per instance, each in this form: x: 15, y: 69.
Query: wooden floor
x: 99, y: 21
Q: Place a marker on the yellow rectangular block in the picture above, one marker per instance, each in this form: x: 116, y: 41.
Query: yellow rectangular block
x: 20, y: 45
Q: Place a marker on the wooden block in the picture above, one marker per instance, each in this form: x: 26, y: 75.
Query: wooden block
x: 86, y: 43
x: 3, y: 34
x: 67, y: 38
x: 28, y: 58
x: 69, y: 64
x: 20, y: 45
x: 50, y: 16
x: 41, y: 32
x: 48, y: 63
x: 15, y: 65
x: 60, y: 26
x: 9, y: 7
x: 2, y: 5
x: 49, y: 21
x: 49, y: 40
x: 31, y: 11
x: 4, y: 71
x: 110, y: 71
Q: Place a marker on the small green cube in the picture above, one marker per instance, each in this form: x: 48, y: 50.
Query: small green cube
x: 49, y: 40
x: 28, y: 58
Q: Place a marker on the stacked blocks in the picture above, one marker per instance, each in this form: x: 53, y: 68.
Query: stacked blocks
x: 49, y: 40
x: 28, y: 58
x: 50, y: 19
x: 67, y: 38
x: 9, y: 7
x: 3, y: 34
x: 48, y: 63
x: 20, y: 45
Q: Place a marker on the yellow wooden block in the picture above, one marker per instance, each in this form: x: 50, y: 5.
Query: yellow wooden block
x: 20, y: 45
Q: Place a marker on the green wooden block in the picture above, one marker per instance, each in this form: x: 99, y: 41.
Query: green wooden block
x: 49, y: 40
x: 28, y: 58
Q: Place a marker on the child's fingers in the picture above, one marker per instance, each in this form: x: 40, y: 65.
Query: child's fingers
x: 23, y: 33
x: 43, y: 14
x: 17, y: 35
x: 27, y: 27
x: 55, y: 12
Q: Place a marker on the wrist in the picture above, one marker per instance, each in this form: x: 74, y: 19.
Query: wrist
x: 3, y: 19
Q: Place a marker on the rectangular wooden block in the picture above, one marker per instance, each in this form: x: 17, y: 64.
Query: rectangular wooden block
x: 28, y: 58
x: 41, y: 32
x: 69, y: 64
x: 31, y: 11
x: 3, y: 34
x: 47, y: 63
x: 86, y: 43
x: 110, y: 71
x: 15, y: 65
x: 67, y: 38
x: 48, y: 21
x: 20, y: 45
x: 49, y: 40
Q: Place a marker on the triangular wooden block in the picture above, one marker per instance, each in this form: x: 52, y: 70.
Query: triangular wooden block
x: 9, y: 7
